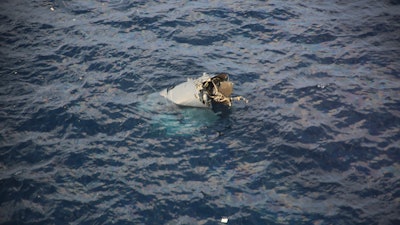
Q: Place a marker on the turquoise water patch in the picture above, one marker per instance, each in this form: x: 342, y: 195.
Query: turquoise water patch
x: 170, y: 120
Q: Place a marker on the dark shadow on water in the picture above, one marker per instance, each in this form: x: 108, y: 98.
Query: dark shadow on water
x: 221, y: 110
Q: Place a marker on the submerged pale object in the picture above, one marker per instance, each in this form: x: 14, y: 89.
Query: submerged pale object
x: 205, y: 92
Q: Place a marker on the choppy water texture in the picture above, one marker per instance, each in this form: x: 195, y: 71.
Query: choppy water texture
x: 86, y: 139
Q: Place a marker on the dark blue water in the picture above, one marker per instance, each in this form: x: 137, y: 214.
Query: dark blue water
x: 86, y: 139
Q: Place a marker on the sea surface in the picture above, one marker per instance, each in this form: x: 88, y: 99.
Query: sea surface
x: 85, y: 137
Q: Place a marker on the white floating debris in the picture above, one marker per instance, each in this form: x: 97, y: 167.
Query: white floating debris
x: 203, y: 91
x: 224, y: 220
x: 51, y: 8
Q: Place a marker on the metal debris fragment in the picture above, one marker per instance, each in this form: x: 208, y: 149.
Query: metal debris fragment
x: 203, y: 92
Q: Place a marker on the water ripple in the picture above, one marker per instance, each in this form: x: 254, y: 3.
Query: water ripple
x: 85, y: 137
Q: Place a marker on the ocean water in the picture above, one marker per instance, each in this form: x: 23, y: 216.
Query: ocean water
x: 85, y: 137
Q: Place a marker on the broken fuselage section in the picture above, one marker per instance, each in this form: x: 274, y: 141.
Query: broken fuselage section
x: 204, y: 92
